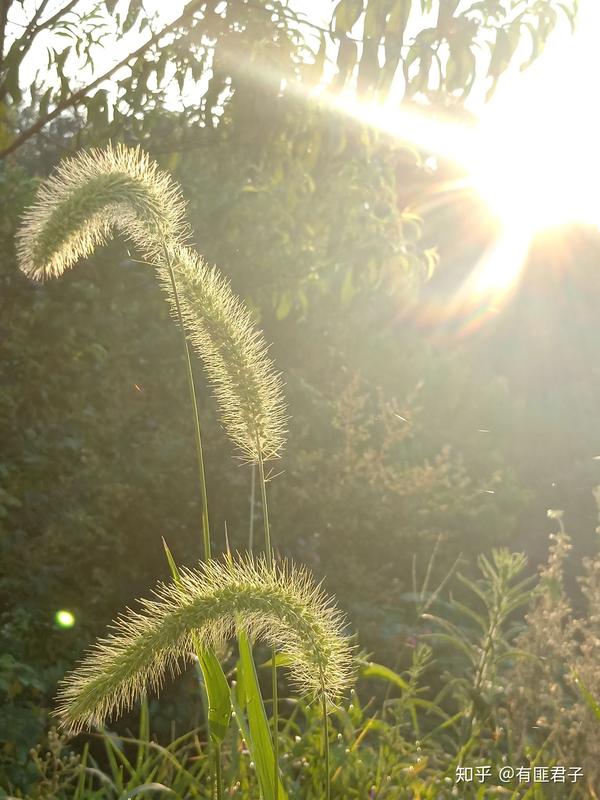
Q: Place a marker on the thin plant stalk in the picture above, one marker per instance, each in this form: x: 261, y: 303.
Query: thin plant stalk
x: 201, y: 472
x: 326, y: 748
x: 269, y: 559
x: 252, y: 506
x: 195, y: 414
x: 203, y: 493
x: 218, y: 778
x: 267, y: 528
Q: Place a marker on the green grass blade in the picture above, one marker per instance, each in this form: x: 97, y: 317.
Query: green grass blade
x: 373, y: 670
x: 146, y: 787
x: 79, y: 789
x: 587, y: 696
x: 114, y: 756
x: 257, y: 733
x: 215, y: 682
x: 144, y: 735
x: 217, y: 690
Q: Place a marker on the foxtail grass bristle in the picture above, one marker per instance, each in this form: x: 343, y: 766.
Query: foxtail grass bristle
x: 119, y: 189
x: 281, y: 606
x: 247, y: 387
x: 88, y: 197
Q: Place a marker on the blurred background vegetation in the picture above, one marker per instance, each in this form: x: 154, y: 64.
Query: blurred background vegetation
x: 408, y: 425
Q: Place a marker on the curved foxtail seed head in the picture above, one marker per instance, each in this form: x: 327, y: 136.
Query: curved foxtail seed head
x: 282, y: 606
x: 248, y: 389
x: 120, y: 188
x: 77, y: 208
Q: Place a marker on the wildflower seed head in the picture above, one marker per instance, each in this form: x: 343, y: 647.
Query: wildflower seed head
x: 282, y: 606
x: 248, y: 389
x: 90, y: 195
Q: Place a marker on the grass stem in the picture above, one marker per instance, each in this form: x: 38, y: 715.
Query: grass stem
x: 196, y: 417
x: 252, y: 506
x: 218, y: 779
x: 201, y: 470
x: 326, y: 749
x: 269, y: 557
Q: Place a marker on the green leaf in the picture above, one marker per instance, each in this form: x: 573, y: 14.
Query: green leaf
x: 374, y: 20
x: 346, y: 14
x: 588, y: 697
x: 368, y: 70
x: 312, y: 73
x: 146, y: 787
x: 11, y: 83
x: 372, y: 670
x: 248, y: 703
x: 285, y: 305
x: 144, y: 735
x: 468, y: 612
x: 217, y: 690
x: 45, y: 103
x: 215, y: 682
x: 347, y: 55
x: 394, y: 38
x: 132, y: 15
x: 171, y: 562
x: 398, y: 18
x: 281, y: 660
x: 116, y: 760
x: 97, y: 110
x: 446, y: 637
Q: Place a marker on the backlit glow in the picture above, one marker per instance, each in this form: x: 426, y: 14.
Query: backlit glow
x: 532, y: 155
x: 64, y: 619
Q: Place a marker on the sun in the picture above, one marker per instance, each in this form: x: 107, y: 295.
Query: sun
x: 535, y: 158
x: 532, y: 156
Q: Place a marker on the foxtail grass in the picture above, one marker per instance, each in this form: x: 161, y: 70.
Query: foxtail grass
x: 87, y: 198
x: 247, y: 387
x: 281, y: 606
x: 118, y: 189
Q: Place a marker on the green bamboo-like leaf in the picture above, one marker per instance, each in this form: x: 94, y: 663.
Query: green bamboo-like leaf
x: 257, y: 733
x: 453, y: 630
x: 473, y: 587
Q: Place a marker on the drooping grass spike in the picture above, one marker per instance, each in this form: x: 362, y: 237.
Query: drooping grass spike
x: 281, y: 605
x: 119, y: 189
x: 88, y: 197
x: 235, y: 355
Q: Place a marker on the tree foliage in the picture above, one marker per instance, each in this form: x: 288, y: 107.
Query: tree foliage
x: 438, y: 47
x: 214, y: 48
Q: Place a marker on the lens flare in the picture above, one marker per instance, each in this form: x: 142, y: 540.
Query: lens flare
x: 64, y: 618
x: 532, y: 156
x: 536, y: 162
